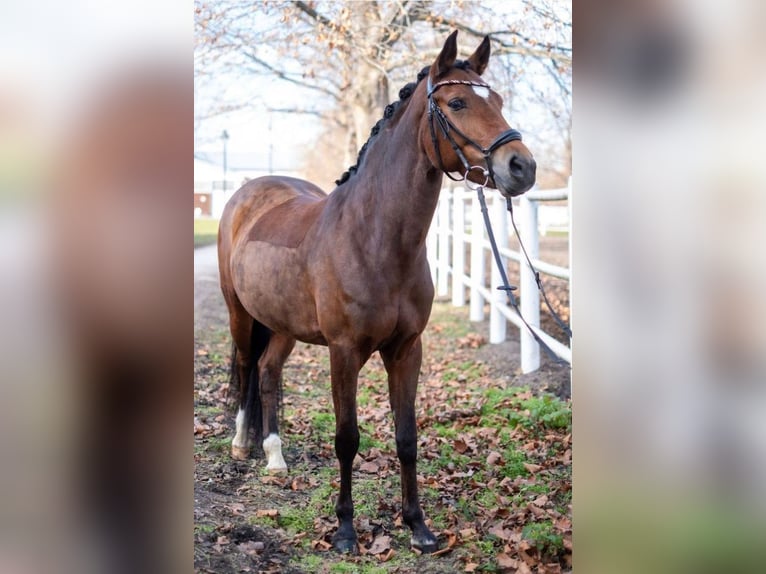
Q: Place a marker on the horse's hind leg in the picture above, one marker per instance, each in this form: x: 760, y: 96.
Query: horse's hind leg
x: 402, y: 362
x: 270, y: 368
x: 250, y: 339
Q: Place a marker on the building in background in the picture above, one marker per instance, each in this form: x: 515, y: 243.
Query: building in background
x: 211, y: 192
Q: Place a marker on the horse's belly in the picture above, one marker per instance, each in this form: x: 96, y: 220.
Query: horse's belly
x: 273, y: 287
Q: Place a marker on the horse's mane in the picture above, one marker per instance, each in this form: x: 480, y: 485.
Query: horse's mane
x: 389, y: 112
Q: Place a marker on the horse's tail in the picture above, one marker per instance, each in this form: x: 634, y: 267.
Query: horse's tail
x: 234, y: 384
x: 259, y: 340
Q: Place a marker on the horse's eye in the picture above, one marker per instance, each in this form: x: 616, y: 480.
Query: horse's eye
x: 456, y: 104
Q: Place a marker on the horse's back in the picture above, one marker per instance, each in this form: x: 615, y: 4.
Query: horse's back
x: 259, y: 196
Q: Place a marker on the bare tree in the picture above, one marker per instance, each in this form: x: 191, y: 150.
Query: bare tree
x: 347, y: 58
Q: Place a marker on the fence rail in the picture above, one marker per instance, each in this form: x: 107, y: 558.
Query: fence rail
x: 457, y: 224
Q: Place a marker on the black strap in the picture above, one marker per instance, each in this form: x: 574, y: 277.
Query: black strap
x: 563, y: 326
x: 506, y: 286
x: 435, y: 114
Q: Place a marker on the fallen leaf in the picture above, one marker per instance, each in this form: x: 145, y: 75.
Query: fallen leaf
x: 320, y: 545
x: 460, y: 446
x: 494, y: 458
x: 505, y: 561
x: 370, y: 467
x: 450, y: 544
x: 272, y: 512
x: 536, y: 510
x: 471, y: 567
x: 468, y: 533
x: 387, y: 556
x: 251, y: 547
x: 500, y: 532
x: 380, y: 544
x: 279, y: 480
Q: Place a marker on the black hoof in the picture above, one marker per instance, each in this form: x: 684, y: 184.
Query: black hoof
x: 426, y: 543
x: 345, y: 545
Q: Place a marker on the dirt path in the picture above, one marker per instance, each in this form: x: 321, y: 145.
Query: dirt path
x: 495, y: 461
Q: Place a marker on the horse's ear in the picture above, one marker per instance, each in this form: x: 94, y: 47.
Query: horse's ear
x: 480, y: 58
x: 446, y: 58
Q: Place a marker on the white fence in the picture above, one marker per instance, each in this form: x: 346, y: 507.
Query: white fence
x: 458, y: 222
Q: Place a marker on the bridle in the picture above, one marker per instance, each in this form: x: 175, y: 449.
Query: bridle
x: 437, y: 116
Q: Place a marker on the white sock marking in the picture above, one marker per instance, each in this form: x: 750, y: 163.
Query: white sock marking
x: 241, y: 439
x: 272, y: 446
x: 481, y: 91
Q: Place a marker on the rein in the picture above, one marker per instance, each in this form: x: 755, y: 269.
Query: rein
x: 507, y: 287
x: 437, y: 116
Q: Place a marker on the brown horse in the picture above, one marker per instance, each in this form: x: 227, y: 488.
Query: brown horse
x: 348, y: 270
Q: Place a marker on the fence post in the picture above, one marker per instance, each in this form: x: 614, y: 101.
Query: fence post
x: 497, y: 322
x: 477, y: 261
x: 458, y: 247
x: 529, y: 295
x: 442, y: 278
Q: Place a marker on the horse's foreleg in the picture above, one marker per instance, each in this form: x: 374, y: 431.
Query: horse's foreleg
x: 403, y: 367
x: 344, y: 367
x: 270, y: 368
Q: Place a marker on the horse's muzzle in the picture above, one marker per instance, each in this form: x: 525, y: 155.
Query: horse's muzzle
x: 514, y: 171
x: 522, y: 172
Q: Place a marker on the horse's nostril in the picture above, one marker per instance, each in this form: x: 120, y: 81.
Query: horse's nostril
x: 517, y: 166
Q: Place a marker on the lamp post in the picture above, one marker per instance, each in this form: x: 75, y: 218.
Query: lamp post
x: 225, y: 138
x: 271, y: 145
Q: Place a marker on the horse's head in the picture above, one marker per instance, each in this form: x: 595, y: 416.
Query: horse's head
x: 464, y: 129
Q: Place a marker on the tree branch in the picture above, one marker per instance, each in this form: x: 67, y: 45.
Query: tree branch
x: 283, y: 75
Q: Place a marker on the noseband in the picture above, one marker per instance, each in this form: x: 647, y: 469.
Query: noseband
x: 437, y: 116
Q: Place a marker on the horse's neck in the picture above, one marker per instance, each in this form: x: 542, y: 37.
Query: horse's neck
x: 398, y: 188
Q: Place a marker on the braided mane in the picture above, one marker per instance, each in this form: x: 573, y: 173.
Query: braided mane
x: 389, y: 112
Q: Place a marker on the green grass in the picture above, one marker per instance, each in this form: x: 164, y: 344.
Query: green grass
x: 344, y: 567
x: 541, y: 534
x: 503, y: 408
x: 209, y: 410
x: 219, y: 444
x: 367, y: 438
x: 205, y: 232
x: 323, y: 426
x: 549, y: 411
x: 513, y: 460
x: 310, y: 563
x: 296, y: 520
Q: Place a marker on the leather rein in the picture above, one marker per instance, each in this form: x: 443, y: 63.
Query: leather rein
x: 437, y: 117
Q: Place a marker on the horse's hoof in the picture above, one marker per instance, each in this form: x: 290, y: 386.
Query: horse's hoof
x: 240, y: 452
x: 276, y: 469
x: 345, y: 545
x: 426, y: 544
